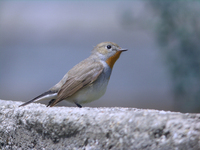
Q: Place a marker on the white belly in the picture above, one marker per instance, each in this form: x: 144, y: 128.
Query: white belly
x: 93, y: 91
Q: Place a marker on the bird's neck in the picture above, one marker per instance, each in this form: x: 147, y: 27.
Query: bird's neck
x: 111, y: 60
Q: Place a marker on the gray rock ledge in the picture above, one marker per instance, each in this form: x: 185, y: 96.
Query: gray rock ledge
x: 37, y: 127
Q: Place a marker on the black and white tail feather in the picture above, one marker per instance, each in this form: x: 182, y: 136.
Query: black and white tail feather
x: 49, y: 95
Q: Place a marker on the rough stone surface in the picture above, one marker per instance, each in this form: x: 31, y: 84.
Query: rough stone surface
x: 37, y: 127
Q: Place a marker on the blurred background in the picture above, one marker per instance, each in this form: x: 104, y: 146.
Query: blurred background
x: 41, y: 40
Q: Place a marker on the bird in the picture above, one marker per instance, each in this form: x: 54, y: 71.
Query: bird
x: 87, y: 81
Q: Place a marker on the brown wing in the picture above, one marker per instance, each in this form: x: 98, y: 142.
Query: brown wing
x: 79, y: 76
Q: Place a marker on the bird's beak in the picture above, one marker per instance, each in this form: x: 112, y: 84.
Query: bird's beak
x: 122, y: 49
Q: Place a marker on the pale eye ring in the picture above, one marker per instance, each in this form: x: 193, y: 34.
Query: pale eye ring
x: 108, y: 46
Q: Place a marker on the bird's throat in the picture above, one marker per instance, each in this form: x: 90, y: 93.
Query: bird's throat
x: 111, y: 61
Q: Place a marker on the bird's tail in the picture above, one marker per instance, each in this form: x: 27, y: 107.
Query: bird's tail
x: 44, y: 96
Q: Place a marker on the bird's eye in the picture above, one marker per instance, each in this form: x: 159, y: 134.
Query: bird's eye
x: 108, y: 46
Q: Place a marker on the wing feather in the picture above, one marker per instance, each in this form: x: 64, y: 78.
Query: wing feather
x: 79, y: 77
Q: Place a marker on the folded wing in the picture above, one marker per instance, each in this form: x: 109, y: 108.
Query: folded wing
x: 78, y: 78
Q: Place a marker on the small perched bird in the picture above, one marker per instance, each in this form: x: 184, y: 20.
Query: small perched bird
x: 87, y: 81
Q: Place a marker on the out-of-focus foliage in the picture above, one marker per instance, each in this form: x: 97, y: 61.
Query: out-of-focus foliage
x: 178, y: 34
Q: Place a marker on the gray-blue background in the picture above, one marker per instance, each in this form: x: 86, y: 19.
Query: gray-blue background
x: 41, y: 41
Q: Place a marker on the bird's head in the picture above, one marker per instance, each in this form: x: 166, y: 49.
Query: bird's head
x: 108, y: 52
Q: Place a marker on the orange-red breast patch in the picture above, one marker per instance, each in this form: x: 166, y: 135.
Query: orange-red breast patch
x: 111, y: 61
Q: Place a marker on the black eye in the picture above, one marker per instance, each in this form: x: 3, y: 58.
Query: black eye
x: 108, y: 46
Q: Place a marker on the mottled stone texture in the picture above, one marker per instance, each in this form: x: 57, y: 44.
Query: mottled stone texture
x: 36, y: 126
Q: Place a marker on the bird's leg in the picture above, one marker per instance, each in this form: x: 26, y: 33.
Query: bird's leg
x: 50, y: 102
x: 78, y: 105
